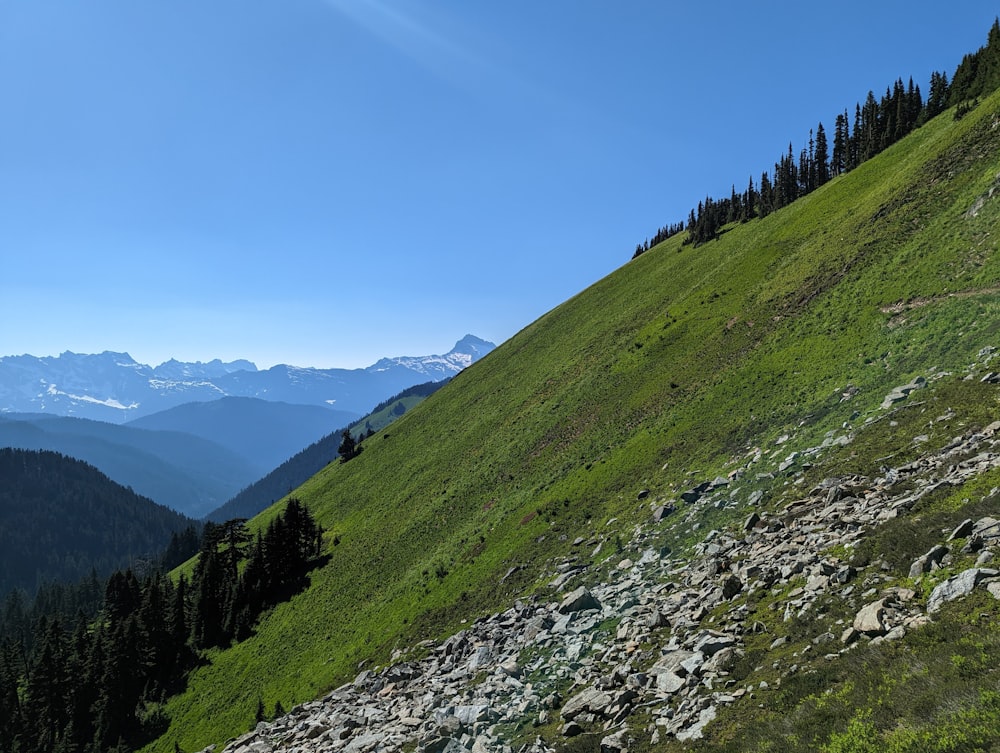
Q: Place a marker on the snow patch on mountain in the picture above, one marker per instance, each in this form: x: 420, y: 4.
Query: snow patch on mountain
x: 107, y: 402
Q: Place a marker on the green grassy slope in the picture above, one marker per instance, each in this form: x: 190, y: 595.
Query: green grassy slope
x: 654, y: 377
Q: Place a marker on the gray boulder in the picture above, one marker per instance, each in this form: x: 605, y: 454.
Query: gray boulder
x: 926, y: 562
x: 903, y: 391
x: 662, y: 511
x: 870, y: 620
x: 695, y: 731
x: 711, y: 642
x: 958, y: 586
x: 668, y: 682
x: 578, y: 600
x: 591, y: 700
x: 471, y: 715
x: 616, y: 743
x: 962, y: 530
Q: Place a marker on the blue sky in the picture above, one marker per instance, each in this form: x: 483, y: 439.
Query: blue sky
x: 325, y: 182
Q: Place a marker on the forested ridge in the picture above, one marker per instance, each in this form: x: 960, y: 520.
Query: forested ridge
x: 95, y: 682
x: 874, y: 126
x: 61, y: 518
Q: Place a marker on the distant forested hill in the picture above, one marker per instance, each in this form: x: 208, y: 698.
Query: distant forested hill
x: 265, y: 432
x: 60, y: 518
x: 305, y: 464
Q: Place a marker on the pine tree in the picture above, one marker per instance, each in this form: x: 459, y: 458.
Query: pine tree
x: 122, y: 596
x: 854, y: 155
x: 937, y: 100
x: 155, y: 645
x: 821, y: 157
x: 766, y: 195
x: 260, y: 715
x: 870, y: 131
x: 841, y: 139
x: 208, y: 598
x: 349, y: 448
x: 15, y: 622
x: 80, y: 728
x: 47, y: 688
x: 750, y: 201
x: 990, y: 66
x: 734, y: 212
x: 11, y: 728
x: 235, y: 540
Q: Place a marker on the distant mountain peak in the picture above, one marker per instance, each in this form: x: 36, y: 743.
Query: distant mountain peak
x: 197, y: 369
x: 106, y: 356
x: 473, y: 344
x: 437, y: 367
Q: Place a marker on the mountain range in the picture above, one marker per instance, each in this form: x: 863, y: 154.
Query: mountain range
x: 113, y: 387
x: 265, y: 432
x: 207, y: 446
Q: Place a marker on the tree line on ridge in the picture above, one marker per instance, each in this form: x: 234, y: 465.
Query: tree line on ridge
x: 876, y: 125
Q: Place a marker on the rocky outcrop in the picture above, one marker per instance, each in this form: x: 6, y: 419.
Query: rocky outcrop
x: 898, y: 394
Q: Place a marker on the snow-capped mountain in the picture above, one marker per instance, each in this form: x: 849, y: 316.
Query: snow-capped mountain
x: 113, y: 387
x: 435, y: 368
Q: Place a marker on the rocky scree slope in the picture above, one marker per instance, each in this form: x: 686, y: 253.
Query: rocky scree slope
x: 643, y: 650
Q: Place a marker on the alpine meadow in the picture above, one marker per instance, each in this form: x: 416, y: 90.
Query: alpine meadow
x: 742, y: 494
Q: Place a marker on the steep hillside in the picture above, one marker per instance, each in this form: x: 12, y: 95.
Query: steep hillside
x: 78, y: 520
x: 688, y: 363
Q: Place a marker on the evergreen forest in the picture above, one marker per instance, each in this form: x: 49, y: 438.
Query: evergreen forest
x: 79, y: 521
x: 95, y: 680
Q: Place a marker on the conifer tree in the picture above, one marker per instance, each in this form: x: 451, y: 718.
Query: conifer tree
x: 766, y: 195
x: 869, y: 132
x: 209, y: 596
x: 121, y: 596
x: 750, y: 201
x: 79, y: 729
x: 821, y: 158
x: 841, y: 139
x: 349, y: 447
x: 10, y: 703
x: 47, y: 688
x: 937, y: 100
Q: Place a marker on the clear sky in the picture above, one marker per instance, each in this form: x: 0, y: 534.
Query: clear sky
x: 325, y: 182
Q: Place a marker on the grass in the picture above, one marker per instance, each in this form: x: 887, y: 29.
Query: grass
x: 656, y: 377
